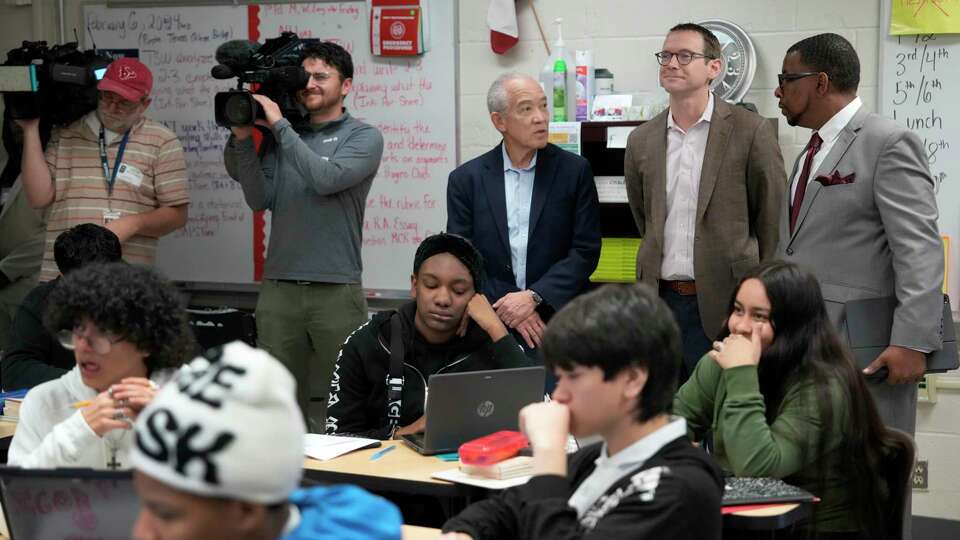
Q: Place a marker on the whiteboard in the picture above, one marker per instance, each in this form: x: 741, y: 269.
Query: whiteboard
x: 919, y: 80
x: 412, y: 101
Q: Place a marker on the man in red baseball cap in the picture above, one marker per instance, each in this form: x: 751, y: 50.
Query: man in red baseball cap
x: 138, y: 186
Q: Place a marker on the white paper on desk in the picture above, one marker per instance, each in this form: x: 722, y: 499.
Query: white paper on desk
x: 324, y: 447
x: 459, y: 477
x: 617, y: 136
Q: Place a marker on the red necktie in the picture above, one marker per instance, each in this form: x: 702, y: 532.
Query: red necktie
x: 812, y: 148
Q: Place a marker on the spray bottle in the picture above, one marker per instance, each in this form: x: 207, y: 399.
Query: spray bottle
x: 559, y: 79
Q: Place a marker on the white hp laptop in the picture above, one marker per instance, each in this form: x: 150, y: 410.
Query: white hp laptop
x: 464, y: 406
x: 62, y: 504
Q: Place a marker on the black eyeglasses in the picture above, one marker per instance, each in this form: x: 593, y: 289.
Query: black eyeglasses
x: 683, y: 57
x: 787, y: 77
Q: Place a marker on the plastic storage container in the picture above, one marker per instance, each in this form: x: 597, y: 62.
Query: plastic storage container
x: 604, y: 81
x: 492, y: 448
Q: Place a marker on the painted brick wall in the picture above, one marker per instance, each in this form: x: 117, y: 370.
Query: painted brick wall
x: 624, y: 34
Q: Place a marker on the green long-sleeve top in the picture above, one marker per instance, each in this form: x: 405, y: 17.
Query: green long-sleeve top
x: 729, y: 402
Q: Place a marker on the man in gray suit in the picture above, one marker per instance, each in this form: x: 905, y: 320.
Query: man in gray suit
x: 861, y: 214
x: 705, y: 183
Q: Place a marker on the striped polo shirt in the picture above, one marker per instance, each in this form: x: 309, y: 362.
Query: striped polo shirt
x: 73, y: 155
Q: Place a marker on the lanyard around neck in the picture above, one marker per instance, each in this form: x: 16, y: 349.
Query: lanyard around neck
x: 111, y: 179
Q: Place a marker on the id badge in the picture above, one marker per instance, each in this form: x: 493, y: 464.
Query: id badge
x: 130, y: 174
x: 110, y: 215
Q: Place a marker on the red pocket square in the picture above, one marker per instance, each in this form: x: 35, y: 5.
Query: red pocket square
x: 835, y: 179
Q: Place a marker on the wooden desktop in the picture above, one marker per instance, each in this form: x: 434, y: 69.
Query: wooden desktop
x: 401, y: 470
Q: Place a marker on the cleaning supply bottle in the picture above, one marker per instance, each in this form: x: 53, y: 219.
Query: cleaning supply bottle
x: 559, y: 90
x: 585, y: 84
x: 558, y: 86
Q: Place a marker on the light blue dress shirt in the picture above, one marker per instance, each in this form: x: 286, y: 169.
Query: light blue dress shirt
x: 518, y: 188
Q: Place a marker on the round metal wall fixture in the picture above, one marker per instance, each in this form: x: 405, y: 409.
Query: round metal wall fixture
x: 739, y: 60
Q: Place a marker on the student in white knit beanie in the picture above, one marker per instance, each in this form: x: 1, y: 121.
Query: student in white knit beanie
x: 219, y: 454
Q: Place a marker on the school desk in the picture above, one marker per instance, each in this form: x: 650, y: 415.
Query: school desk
x: 403, y: 470
x: 411, y: 532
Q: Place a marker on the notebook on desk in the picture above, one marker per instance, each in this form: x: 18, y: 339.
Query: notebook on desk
x: 55, y: 504
x: 465, y: 406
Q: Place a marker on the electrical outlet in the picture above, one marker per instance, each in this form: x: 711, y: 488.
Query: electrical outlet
x: 920, y: 472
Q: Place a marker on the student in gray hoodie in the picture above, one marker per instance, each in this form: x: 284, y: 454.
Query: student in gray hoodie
x: 314, y: 178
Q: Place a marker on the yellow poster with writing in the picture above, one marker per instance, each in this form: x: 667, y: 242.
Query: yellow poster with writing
x: 925, y: 17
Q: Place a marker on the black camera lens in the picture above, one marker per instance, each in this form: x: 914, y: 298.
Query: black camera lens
x: 235, y: 108
x: 240, y: 109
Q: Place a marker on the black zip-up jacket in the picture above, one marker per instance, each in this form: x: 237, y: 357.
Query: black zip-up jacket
x: 358, y: 390
x: 33, y: 355
x: 674, y: 495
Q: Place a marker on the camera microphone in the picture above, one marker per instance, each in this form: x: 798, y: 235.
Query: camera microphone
x: 221, y: 71
x: 236, y: 53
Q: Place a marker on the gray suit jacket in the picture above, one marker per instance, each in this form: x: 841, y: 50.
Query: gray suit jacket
x: 741, y: 192
x: 877, y: 235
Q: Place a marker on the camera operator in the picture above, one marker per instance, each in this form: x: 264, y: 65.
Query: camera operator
x: 113, y: 167
x: 314, y: 178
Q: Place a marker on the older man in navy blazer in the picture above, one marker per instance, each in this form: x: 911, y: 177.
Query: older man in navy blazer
x: 530, y: 208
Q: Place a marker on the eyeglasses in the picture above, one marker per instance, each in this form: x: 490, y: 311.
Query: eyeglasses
x: 683, y: 57
x: 787, y: 77
x: 320, y: 76
x: 100, y: 343
x: 122, y: 105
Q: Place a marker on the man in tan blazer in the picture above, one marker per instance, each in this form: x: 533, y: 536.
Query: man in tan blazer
x: 705, y: 182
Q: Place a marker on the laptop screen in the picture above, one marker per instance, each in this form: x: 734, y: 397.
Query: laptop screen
x: 68, y: 504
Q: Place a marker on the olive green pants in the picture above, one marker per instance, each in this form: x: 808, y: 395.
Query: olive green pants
x: 304, y: 325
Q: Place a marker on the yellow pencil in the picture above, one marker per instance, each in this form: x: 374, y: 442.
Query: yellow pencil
x: 81, y: 404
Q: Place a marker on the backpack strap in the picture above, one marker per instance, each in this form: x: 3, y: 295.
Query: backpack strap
x: 395, y: 375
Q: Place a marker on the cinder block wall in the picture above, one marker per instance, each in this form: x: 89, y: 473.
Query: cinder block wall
x: 624, y: 34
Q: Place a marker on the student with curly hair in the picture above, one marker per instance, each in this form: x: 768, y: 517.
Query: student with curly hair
x: 128, y: 330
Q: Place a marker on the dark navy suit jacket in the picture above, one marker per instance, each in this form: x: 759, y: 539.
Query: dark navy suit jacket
x: 564, y: 241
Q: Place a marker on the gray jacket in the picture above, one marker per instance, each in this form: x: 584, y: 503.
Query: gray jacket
x: 314, y: 179
x: 874, y: 233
